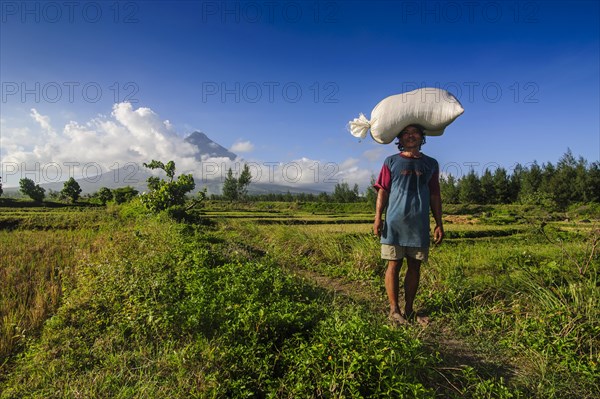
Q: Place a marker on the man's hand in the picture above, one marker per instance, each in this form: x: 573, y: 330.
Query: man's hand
x: 438, y: 234
x: 382, y: 201
x: 377, y: 226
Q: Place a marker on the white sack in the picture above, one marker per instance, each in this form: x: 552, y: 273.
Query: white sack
x: 432, y: 108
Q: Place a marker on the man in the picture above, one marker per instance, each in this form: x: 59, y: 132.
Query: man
x: 408, y: 186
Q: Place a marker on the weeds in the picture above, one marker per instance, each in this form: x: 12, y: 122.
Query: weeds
x: 147, y: 307
x: 37, y: 266
x: 532, y: 303
x: 153, y: 314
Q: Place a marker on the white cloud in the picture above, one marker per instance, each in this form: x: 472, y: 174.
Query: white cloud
x: 352, y: 173
x: 128, y: 135
x: 43, y: 120
x: 242, y: 146
x: 16, y: 137
x: 349, y: 164
x: 301, y: 173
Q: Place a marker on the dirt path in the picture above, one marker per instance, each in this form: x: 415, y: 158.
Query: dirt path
x: 456, y: 353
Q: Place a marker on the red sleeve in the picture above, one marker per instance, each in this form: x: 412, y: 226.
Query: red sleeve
x: 434, y: 184
x: 384, y: 180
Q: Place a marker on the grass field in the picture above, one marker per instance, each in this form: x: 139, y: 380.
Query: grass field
x: 287, y: 300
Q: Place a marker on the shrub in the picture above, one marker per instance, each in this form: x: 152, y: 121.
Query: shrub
x: 166, y: 193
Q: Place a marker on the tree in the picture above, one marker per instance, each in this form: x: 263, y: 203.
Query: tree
x: 243, y: 182
x: 124, y: 194
x: 563, y: 181
x: 1, y: 186
x: 516, y: 182
x: 71, y: 190
x: 581, y: 181
x: 105, y: 195
x: 371, y: 193
x: 593, y: 183
x: 230, y: 187
x: 548, y: 172
x: 449, y: 189
x: 288, y: 197
x: 343, y: 193
x: 470, y: 189
x: 323, y: 197
x: 488, y: 191
x: 165, y: 194
x: 237, y: 188
x: 34, y: 191
x: 531, y: 180
x: 502, y: 187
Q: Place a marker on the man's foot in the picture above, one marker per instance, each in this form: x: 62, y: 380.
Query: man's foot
x: 397, y: 318
x: 421, y: 319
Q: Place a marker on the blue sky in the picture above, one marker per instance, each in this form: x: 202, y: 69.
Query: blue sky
x: 277, y: 82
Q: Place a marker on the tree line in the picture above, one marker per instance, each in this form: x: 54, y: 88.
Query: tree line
x: 231, y: 192
x: 552, y: 186
x: 571, y: 180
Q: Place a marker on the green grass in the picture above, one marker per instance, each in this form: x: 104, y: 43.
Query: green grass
x: 41, y: 248
x: 159, y: 311
x: 521, y: 291
x: 148, y: 307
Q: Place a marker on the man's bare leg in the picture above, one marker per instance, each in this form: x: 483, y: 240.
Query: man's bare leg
x: 411, y: 285
x: 392, y: 288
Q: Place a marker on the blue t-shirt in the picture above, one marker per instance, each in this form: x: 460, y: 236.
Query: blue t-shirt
x: 409, y: 182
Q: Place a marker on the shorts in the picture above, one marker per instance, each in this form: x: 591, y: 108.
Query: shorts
x: 397, y: 252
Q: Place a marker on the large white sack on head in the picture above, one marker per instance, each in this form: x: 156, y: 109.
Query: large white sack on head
x: 432, y: 108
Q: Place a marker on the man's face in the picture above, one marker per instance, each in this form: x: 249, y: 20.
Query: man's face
x: 411, y: 137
